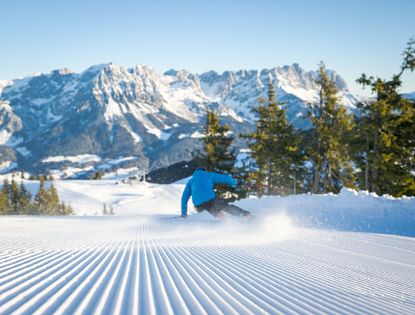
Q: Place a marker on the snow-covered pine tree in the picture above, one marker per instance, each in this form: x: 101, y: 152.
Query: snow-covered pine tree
x: 274, y: 146
x: 387, y: 138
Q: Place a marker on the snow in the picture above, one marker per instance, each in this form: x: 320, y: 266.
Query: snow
x: 81, y: 159
x: 140, y: 96
x: 114, y: 162
x: 349, y: 210
x: 243, y: 158
x: 135, y: 136
x: 19, y: 83
x: 121, y: 173
x: 183, y: 135
x: 7, y: 166
x: 164, y: 136
x: 70, y: 172
x: 98, y: 67
x: 112, y: 110
x: 41, y: 101
x: 141, y: 260
x: 14, y: 141
x: 122, y: 159
x: 5, y: 136
x: 179, y: 93
x: 4, y: 84
x: 161, y: 134
x: 406, y: 95
x: 53, y: 118
x: 23, y: 151
x: 197, y: 134
x: 212, y: 91
x: 231, y: 113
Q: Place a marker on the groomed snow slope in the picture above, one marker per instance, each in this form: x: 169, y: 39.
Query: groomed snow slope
x: 143, y: 261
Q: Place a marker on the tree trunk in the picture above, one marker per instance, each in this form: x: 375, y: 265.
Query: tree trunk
x: 295, y: 183
x: 374, y: 169
x: 367, y: 163
x: 328, y: 181
x: 269, y: 177
x: 316, y: 180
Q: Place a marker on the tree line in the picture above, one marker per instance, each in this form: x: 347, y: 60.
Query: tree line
x: 16, y: 199
x: 371, y: 149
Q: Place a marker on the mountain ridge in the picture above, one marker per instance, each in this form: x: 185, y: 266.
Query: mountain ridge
x: 113, y: 111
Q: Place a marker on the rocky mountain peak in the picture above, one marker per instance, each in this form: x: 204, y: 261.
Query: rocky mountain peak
x: 110, y: 110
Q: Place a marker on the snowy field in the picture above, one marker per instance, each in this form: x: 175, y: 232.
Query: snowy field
x: 348, y: 254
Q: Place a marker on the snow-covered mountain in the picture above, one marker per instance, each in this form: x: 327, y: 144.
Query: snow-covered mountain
x: 409, y: 95
x: 112, y: 113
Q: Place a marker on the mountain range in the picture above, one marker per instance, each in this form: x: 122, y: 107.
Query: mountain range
x: 113, y: 117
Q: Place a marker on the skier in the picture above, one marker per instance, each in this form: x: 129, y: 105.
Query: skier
x: 201, y: 188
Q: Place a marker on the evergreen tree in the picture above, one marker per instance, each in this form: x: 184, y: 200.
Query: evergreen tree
x: 4, y: 198
x: 97, y: 176
x: 242, y: 176
x: 219, y: 157
x: 386, y: 139
x: 329, y: 152
x: 218, y: 139
x: 274, y: 146
x: 14, y: 197
x: 25, y: 200
x: 68, y: 210
x: 54, y: 207
x: 41, y: 198
x: 65, y: 209
x: 104, y: 209
x: 42, y: 177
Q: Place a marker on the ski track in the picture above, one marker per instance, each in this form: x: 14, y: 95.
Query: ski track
x: 137, y: 266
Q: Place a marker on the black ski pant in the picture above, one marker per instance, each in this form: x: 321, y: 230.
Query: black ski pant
x: 215, y: 206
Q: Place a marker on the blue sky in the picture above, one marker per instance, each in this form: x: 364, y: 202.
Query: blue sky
x: 351, y: 36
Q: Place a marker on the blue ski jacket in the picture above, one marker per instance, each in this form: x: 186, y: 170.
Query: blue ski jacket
x: 201, y: 187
